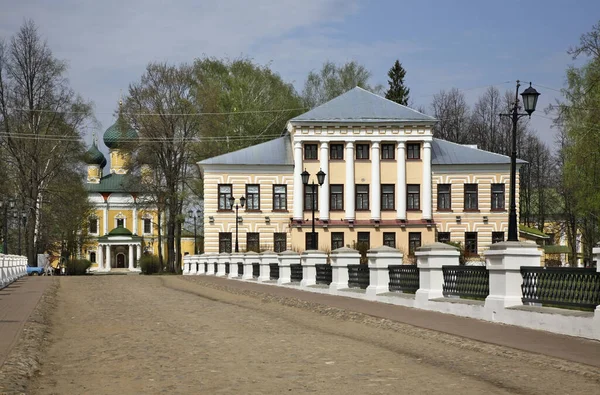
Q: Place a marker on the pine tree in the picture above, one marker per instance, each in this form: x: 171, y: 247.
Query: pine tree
x: 397, y: 92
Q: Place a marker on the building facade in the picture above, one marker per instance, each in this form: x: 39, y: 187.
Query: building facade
x: 387, y: 181
x: 123, y: 225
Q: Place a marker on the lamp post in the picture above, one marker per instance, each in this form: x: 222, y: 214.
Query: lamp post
x: 530, y: 97
x: 194, y: 214
x: 21, y: 217
x: 7, y: 205
x: 320, y: 179
x: 242, y: 202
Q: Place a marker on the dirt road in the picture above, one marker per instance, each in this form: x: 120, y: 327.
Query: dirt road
x: 138, y: 334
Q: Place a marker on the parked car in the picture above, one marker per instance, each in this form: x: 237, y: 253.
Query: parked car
x: 35, y: 271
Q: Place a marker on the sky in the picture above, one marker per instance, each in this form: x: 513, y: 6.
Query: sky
x: 442, y: 44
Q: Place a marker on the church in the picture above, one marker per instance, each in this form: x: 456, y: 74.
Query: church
x: 124, y: 224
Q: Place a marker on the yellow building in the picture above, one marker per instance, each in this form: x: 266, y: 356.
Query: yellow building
x: 387, y: 182
x: 123, y: 225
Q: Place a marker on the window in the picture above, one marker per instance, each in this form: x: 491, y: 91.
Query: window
x: 497, y: 196
x: 93, y: 257
x: 120, y: 222
x: 309, y: 243
x: 93, y: 225
x: 444, y: 201
x: 414, y: 242
x: 387, y: 196
x: 253, y: 242
x: 310, y: 151
x: 497, y: 237
x: 413, y: 198
x: 336, y: 200
x: 387, y: 151
x: 362, y: 151
x: 362, y: 197
x: 413, y: 151
x: 279, y: 197
x: 224, y: 242
x: 309, y: 196
x: 389, y: 239
x: 147, y: 226
x: 337, y: 240
x: 279, y: 242
x: 443, y: 237
x: 364, y: 240
x: 225, y: 192
x: 470, y: 196
x: 471, y: 243
x: 336, y: 151
x: 253, y: 197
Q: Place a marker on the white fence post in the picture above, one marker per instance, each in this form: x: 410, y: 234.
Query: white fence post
x: 286, y: 259
x: 210, y: 267
x: 186, y: 265
x: 251, y: 257
x: 309, y: 259
x: 223, y: 259
x: 3, y: 276
x: 504, y: 261
x: 236, y: 258
x: 596, y: 254
x: 193, y: 265
x: 430, y: 259
x: 268, y: 257
x: 340, y: 259
x: 380, y: 259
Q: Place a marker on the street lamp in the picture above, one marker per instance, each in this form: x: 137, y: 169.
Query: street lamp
x: 320, y: 179
x: 194, y: 214
x: 530, y: 98
x: 242, y: 202
x: 22, y: 218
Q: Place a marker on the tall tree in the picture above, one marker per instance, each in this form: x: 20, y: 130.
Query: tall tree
x: 453, y: 115
x: 332, y: 80
x: 397, y: 91
x: 41, y: 120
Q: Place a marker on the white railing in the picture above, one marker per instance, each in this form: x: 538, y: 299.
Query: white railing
x: 503, y: 262
x: 12, y: 267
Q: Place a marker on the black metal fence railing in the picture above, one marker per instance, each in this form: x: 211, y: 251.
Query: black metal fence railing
x: 404, y: 278
x: 227, y: 268
x: 255, y: 270
x: 323, y: 274
x: 296, y: 273
x: 358, y: 276
x: 472, y: 282
x: 216, y: 267
x: 205, y: 267
x: 274, y: 271
x: 240, y: 266
x: 560, y: 286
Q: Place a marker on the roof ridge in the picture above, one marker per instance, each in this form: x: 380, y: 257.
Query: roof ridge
x: 396, y: 103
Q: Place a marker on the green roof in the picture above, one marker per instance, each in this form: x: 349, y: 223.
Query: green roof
x: 119, y: 133
x: 115, y: 183
x: 93, y: 156
x: 533, y: 232
x: 556, y: 249
x: 120, y: 231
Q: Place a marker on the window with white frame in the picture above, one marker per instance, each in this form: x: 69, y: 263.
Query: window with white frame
x: 147, y: 225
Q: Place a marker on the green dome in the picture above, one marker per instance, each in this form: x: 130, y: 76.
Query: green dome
x: 93, y: 156
x: 120, y: 231
x: 115, y: 136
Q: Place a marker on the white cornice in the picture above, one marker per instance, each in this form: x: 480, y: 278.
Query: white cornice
x: 245, y: 169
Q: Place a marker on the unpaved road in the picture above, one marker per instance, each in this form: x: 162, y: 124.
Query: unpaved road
x: 167, y: 334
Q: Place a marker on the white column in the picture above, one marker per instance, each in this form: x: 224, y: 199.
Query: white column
x: 375, y: 182
x: 135, y: 220
x: 100, y: 257
x: 430, y: 259
x: 349, y: 189
x: 138, y: 252
x: 324, y: 192
x: 108, y: 257
x: 105, y: 219
x: 298, y: 196
x: 401, y: 182
x: 130, y: 248
x: 426, y: 180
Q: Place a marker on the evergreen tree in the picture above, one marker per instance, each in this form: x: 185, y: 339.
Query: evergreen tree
x: 397, y: 92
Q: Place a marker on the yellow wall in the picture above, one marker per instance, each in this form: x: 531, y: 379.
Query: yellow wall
x: 118, y: 161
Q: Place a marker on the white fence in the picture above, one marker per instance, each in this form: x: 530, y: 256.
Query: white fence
x: 434, y: 281
x: 12, y: 267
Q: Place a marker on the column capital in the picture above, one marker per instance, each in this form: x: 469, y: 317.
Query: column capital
x: 324, y: 144
x: 298, y: 145
x: 426, y: 144
x: 349, y: 144
x: 401, y: 144
x: 375, y: 144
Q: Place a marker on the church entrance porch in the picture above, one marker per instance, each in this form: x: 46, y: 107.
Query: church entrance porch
x: 119, y: 250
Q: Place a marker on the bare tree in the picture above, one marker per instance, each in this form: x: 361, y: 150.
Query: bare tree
x: 452, y: 112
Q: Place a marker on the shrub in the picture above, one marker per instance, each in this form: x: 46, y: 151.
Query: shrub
x: 149, y: 264
x: 463, y: 257
x: 77, y: 267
